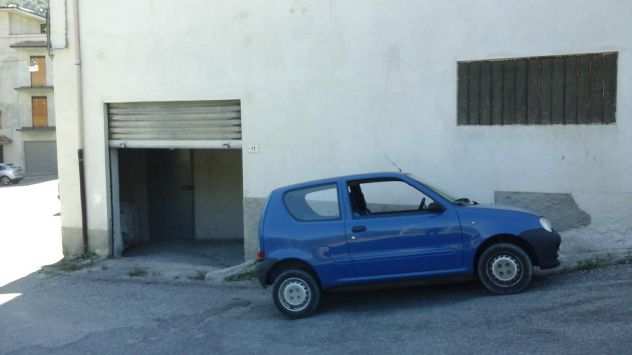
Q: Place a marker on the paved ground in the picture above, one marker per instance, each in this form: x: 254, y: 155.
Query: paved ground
x: 86, y: 313
x: 580, y: 313
x: 30, y: 234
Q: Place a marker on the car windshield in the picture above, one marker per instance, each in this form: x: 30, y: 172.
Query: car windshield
x: 442, y: 193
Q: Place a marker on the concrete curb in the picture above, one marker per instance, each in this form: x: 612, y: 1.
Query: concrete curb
x: 135, y: 270
x: 239, y: 272
x: 593, y: 260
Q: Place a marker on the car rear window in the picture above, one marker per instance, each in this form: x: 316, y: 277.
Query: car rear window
x: 314, y: 203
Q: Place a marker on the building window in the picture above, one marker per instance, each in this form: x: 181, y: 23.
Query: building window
x: 571, y: 89
x: 43, y: 28
x: 38, y: 71
x: 39, y: 110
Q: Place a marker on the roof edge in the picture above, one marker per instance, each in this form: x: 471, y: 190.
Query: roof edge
x: 24, y: 11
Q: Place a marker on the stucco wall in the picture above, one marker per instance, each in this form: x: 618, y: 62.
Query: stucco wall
x: 331, y: 88
x: 9, y: 64
x: 67, y: 130
x: 23, y: 25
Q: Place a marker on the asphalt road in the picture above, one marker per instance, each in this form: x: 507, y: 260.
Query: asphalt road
x: 579, y: 313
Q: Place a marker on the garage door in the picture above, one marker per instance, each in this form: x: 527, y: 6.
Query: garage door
x: 40, y: 158
x: 147, y: 123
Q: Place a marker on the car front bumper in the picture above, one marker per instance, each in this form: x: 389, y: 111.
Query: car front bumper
x: 15, y: 176
x: 545, y: 246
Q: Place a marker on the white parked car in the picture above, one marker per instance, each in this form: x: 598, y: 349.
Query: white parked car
x: 10, y: 174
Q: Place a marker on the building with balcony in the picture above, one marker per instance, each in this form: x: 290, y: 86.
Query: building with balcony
x: 27, y: 119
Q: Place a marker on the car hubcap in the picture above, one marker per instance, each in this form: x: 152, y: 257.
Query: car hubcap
x: 4, y: 181
x: 294, y: 294
x: 505, y: 268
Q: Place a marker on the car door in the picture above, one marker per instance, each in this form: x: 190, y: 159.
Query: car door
x: 395, y: 229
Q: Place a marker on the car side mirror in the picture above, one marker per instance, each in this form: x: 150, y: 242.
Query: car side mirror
x: 435, y: 208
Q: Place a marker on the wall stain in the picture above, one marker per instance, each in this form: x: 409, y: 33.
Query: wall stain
x: 560, y: 208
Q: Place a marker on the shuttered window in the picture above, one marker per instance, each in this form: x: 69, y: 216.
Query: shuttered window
x: 39, y: 110
x: 572, y: 89
x: 38, y: 71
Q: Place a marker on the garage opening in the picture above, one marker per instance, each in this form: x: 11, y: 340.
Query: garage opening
x: 40, y: 158
x: 177, y: 181
x: 182, y: 205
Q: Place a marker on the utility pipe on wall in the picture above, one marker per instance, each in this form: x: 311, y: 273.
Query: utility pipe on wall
x: 80, y: 127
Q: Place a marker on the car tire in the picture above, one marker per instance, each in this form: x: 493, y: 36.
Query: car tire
x: 296, y: 293
x: 4, y: 181
x: 505, y: 269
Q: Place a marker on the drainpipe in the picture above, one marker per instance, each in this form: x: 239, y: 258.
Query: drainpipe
x: 80, y: 128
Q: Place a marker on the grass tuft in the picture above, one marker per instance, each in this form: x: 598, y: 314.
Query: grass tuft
x: 137, y: 272
x: 242, y: 276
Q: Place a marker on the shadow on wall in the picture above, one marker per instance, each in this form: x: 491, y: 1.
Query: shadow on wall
x: 561, y: 209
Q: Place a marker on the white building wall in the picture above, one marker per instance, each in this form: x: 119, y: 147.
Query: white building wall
x: 68, y: 128
x: 331, y: 88
x: 19, y: 25
x: 9, y: 63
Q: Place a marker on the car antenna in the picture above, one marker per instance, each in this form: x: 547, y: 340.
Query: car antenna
x: 393, y: 163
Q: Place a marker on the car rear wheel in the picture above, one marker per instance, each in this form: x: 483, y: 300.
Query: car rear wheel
x: 505, y: 269
x: 4, y: 181
x: 296, y: 293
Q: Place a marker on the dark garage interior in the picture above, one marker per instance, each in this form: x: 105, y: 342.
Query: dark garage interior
x: 181, y: 205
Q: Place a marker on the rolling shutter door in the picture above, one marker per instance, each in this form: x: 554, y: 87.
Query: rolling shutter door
x: 202, y: 121
x: 40, y: 158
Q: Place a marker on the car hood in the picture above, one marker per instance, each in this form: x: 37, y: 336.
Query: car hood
x: 502, y: 208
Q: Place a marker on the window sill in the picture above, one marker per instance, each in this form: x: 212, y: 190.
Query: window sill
x: 34, y: 88
x: 36, y: 129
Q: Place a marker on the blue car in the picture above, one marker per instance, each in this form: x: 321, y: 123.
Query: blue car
x: 391, y: 227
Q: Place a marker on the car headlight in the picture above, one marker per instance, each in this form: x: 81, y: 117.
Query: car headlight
x: 546, y: 224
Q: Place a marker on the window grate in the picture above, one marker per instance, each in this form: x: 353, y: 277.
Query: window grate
x: 572, y: 89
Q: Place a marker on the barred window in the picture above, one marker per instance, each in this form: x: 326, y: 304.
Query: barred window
x: 570, y: 89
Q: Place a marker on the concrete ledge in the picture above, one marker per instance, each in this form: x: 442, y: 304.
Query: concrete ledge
x: 150, y: 271
x: 592, y: 260
x: 130, y: 269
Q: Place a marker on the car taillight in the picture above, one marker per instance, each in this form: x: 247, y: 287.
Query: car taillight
x: 261, y: 255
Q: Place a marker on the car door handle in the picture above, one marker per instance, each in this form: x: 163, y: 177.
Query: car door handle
x: 358, y: 229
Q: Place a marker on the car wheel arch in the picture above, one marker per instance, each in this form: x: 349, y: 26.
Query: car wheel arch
x: 289, y: 264
x: 506, y: 238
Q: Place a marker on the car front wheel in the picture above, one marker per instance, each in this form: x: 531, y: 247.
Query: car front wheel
x: 296, y: 294
x: 505, y: 269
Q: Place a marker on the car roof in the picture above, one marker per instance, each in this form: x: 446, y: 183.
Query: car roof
x: 366, y: 176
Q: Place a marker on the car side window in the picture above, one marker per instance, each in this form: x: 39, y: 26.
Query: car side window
x: 314, y: 203
x: 386, y: 197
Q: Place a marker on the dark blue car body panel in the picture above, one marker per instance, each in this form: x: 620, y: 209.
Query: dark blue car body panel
x: 394, y: 247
